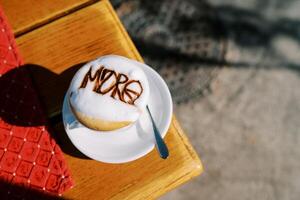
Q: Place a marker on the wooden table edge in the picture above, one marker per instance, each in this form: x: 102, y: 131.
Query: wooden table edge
x: 22, y: 30
x: 123, y: 30
x: 198, y: 169
x: 199, y: 166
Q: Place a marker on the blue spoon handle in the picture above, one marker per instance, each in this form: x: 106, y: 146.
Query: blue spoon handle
x: 160, y: 144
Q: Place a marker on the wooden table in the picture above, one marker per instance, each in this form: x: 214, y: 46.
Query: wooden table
x: 55, y: 37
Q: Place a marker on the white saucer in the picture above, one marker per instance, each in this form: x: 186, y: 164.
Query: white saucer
x: 129, y: 143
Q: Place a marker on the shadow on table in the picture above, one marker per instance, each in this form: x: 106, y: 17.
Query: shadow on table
x: 9, y: 191
x: 21, y: 92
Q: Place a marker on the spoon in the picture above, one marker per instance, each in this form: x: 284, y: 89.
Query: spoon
x: 160, y: 144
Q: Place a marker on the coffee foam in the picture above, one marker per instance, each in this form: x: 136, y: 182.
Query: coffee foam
x: 103, y: 106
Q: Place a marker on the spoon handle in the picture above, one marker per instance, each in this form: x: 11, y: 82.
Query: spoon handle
x: 160, y: 144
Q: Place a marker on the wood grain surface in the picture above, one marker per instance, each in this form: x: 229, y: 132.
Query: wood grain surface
x: 53, y: 52
x: 24, y: 15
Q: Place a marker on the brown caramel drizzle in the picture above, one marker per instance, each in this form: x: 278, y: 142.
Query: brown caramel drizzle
x: 119, y: 88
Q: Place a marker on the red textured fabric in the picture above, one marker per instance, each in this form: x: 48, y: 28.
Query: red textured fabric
x: 29, y: 156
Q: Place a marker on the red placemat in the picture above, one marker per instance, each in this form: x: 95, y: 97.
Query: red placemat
x: 29, y: 156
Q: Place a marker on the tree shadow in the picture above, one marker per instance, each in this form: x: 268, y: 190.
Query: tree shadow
x: 251, y: 31
x: 248, y: 30
x: 254, y: 29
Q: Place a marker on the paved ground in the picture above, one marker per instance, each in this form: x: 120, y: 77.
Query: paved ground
x: 247, y: 129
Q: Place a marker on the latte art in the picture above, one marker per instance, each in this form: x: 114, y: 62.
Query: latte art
x: 117, y: 85
x: 109, y: 93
